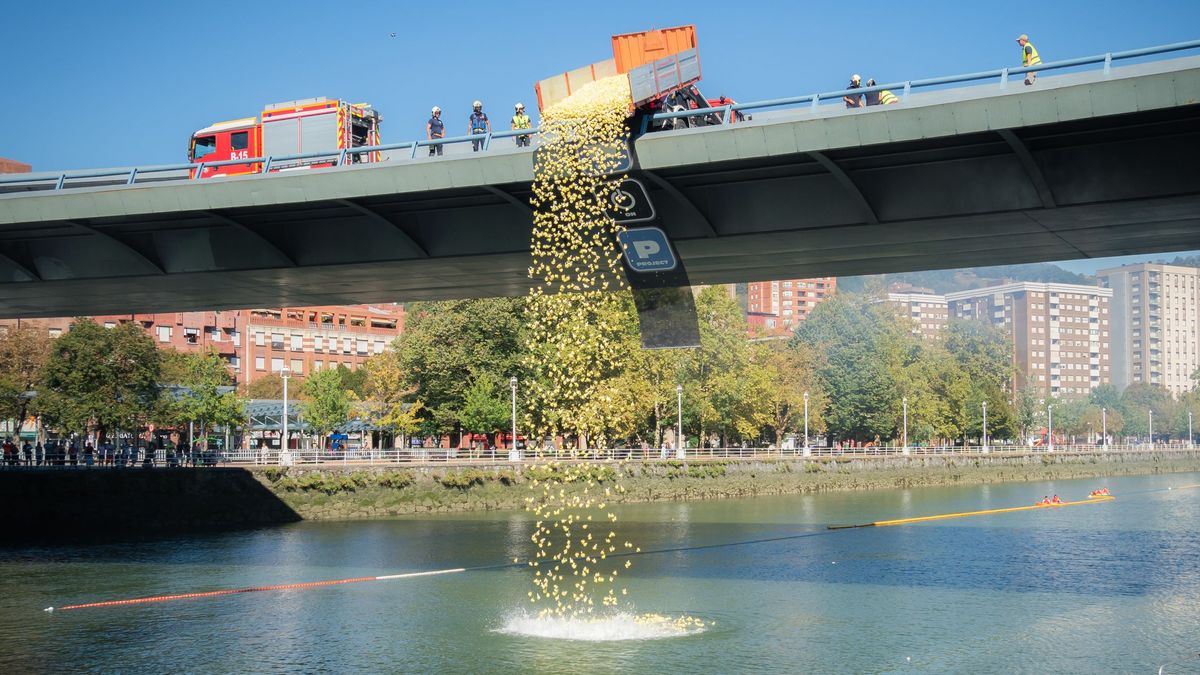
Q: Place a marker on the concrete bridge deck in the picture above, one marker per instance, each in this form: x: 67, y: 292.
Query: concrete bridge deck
x: 1080, y: 165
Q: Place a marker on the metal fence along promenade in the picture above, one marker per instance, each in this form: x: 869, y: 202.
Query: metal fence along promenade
x: 58, y: 180
x: 463, y: 457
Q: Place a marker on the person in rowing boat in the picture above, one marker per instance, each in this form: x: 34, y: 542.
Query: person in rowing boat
x: 1055, y: 500
x: 1045, y: 500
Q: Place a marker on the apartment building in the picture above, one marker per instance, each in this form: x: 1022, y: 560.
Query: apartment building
x: 308, y: 339
x: 780, y: 306
x: 257, y: 342
x: 1060, y: 332
x: 1154, y: 324
x: 928, y: 311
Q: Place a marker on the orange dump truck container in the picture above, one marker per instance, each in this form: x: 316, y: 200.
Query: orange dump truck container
x: 656, y: 61
x: 637, y: 49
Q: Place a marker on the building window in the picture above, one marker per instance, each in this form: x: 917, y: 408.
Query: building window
x: 297, y: 343
x: 260, y: 339
x: 236, y: 362
x: 318, y: 343
x: 317, y: 365
x: 297, y: 366
x: 237, y: 338
x: 191, y: 335
x: 259, y: 363
x: 276, y: 365
x: 164, y: 333
x: 277, y: 341
x: 110, y: 324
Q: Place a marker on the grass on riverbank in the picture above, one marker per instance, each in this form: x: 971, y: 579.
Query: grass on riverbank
x: 325, y: 494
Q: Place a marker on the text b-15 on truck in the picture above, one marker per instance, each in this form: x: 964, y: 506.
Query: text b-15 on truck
x: 314, y: 125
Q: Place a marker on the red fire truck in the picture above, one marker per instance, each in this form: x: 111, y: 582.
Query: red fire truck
x: 289, y: 128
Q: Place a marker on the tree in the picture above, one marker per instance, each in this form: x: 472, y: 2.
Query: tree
x: 24, y: 353
x: 445, y: 345
x: 386, y: 392
x: 789, y: 376
x: 328, y: 405
x: 1028, y: 412
x: 199, y: 397
x: 1138, y: 400
x: 715, y: 375
x: 102, y: 376
x: 484, y: 409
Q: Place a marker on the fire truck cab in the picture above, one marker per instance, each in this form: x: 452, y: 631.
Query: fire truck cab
x: 288, y: 128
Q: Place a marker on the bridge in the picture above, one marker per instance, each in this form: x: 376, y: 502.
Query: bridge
x: 1089, y: 163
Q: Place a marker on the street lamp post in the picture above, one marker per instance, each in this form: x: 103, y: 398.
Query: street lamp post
x: 514, y: 454
x: 985, y: 448
x: 1150, y: 427
x: 679, y: 451
x: 905, y: 434
x: 1189, y: 428
x: 1050, y: 425
x: 284, y: 373
x: 1104, y: 428
x: 807, y: 450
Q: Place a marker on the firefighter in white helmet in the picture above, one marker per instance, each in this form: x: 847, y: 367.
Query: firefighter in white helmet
x: 479, y: 123
x: 435, y: 129
x: 521, y: 121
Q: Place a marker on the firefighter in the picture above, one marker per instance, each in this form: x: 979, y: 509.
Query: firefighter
x: 1029, y: 57
x: 855, y: 100
x: 479, y: 123
x: 435, y: 128
x: 521, y: 121
x: 883, y: 97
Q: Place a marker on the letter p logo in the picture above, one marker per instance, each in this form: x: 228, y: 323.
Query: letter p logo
x: 645, y: 249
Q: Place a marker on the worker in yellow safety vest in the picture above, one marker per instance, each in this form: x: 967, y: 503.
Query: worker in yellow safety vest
x: 521, y: 121
x: 883, y: 97
x: 1029, y: 57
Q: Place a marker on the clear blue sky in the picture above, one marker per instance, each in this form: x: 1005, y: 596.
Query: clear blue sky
x: 97, y: 83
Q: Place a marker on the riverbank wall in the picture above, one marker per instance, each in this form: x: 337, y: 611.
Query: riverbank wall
x: 333, y: 493
x: 106, y: 503
x: 103, y: 504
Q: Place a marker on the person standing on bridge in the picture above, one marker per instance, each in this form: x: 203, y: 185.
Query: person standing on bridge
x: 480, y: 124
x: 1029, y: 57
x: 521, y: 121
x: 854, y: 100
x: 434, y: 128
x: 883, y: 97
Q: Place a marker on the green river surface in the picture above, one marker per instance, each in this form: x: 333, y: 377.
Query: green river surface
x: 1112, y: 587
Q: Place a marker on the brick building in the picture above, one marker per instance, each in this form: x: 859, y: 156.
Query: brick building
x: 13, y: 166
x: 780, y: 306
x: 1060, y: 332
x: 257, y: 342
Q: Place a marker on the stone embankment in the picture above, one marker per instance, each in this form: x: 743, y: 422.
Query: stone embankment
x: 333, y: 493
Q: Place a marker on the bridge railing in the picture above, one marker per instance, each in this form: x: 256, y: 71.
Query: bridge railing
x: 1002, y: 75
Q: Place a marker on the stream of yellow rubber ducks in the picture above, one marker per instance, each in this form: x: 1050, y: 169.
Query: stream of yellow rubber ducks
x: 577, y: 272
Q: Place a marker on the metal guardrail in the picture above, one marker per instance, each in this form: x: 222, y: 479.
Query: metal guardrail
x: 60, y: 178
x: 464, y: 457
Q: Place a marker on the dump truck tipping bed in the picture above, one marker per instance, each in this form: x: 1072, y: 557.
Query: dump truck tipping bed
x: 657, y: 62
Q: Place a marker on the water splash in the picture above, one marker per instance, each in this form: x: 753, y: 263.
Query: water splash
x: 604, y: 627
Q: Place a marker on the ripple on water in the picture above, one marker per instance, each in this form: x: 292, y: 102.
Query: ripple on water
x: 604, y: 627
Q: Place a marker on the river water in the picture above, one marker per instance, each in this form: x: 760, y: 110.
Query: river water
x: 1112, y: 586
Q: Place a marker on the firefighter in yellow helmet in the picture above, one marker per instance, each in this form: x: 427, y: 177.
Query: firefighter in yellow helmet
x: 1029, y: 57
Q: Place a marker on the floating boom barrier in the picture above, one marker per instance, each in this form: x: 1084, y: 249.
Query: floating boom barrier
x: 967, y: 514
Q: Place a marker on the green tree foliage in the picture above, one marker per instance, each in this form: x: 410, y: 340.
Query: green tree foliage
x: 1138, y: 400
x: 98, y: 376
x: 23, y: 356
x: 445, y: 345
x: 790, y: 373
x: 386, y: 393
x: 328, y: 405
x: 199, y: 398
x: 485, y: 410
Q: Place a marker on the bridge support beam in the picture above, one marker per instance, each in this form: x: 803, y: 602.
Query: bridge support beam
x: 24, y: 269
x: 520, y: 205
x: 272, y: 246
x: 688, y: 206
x: 1030, y: 166
x: 374, y: 216
x: 158, y: 266
x: 847, y: 183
